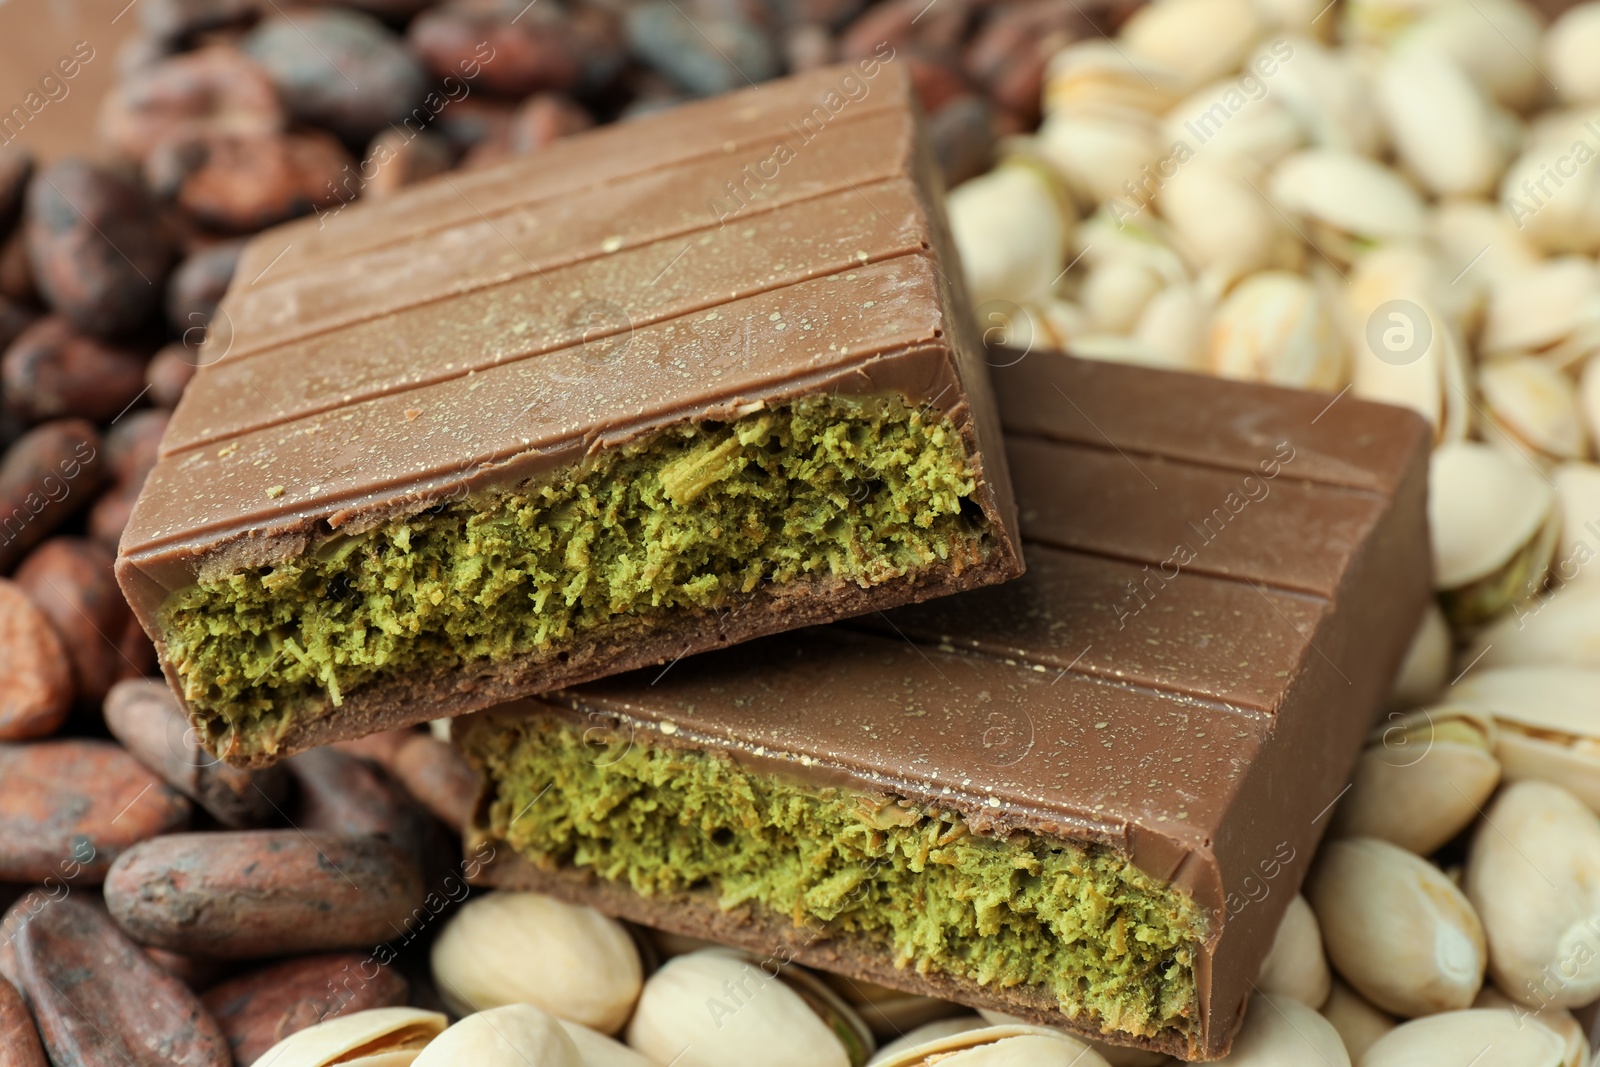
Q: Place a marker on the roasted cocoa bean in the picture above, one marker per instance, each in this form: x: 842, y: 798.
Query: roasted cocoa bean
x: 53, y: 371
x: 248, y: 893
x: 16, y: 167
x: 19, y: 1038
x: 341, y: 794
x: 704, y: 57
x: 100, y: 1002
x: 545, y: 119
x: 133, y: 444
x: 16, y: 273
x: 99, y: 249
x: 381, y: 748
x: 339, y: 69
x: 473, y: 121
x: 70, y: 580
x: 439, y: 778
x: 145, y: 716
x: 51, y: 472
x: 169, y: 372
x: 14, y: 319
x: 176, y: 20
x: 488, y: 44
x: 261, y: 1008
x: 36, y: 687
x: 243, y: 182
x: 398, y: 158
x: 186, y: 96
x: 1007, y: 58
x: 69, y: 808
x: 963, y: 138
x: 196, y: 289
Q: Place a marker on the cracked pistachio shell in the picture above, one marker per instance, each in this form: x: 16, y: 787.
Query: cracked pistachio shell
x: 1095, y: 152
x: 1222, y: 223
x: 382, y: 1037
x: 719, y: 1008
x: 1578, y: 501
x: 1115, y: 1055
x: 512, y: 1035
x: 597, y: 1050
x: 1548, y: 721
x: 1422, y: 778
x: 1533, y: 872
x: 1327, y: 96
x: 1427, y: 663
x: 1277, y: 327
x: 1476, y: 1037
x: 1382, y: 21
x: 1536, y: 406
x: 1560, y: 628
x: 1296, y: 966
x: 1564, y: 223
x: 1196, y: 40
x: 1346, y: 196
x: 1282, y: 1032
x: 1439, y: 122
x: 927, y: 1033
x: 1492, y: 519
x: 1396, y: 928
x: 1570, y: 46
x: 1537, y: 310
x: 1359, y: 1024
x: 1173, y: 325
x: 1006, y: 1045
x: 1479, y: 243
x: 1495, y: 41
x: 510, y: 948
x: 1558, y: 1021
x: 1011, y: 227
x: 1412, y: 270
x: 1098, y: 76
x: 1232, y: 124
x: 1115, y: 293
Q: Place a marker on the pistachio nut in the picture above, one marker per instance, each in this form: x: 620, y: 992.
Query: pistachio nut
x: 1561, y: 628
x: 1196, y: 40
x: 527, y: 948
x: 1495, y: 41
x: 1276, y: 327
x: 1100, y: 154
x: 381, y: 1037
x: 1233, y: 121
x: 890, y: 1012
x: 1282, y: 1032
x: 1096, y: 75
x: 1173, y: 325
x: 1346, y: 200
x: 1007, y: 1045
x: 928, y: 1032
x: 1295, y: 16
x: 1558, y: 1021
x: 1296, y: 967
x: 1440, y: 123
x: 1223, y: 224
x: 720, y: 1008
x: 1475, y: 1037
x: 1479, y: 243
x: 1533, y: 872
x: 1427, y: 663
x: 1359, y: 1023
x: 1534, y: 407
x: 1115, y: 293
x: 1557, y: 219
x: 1578, y: 501
x: 1432, y: 383
x: 1550, y: 310
x: 597, y: 1050
x: 1493, y: 523
x: 1115, y: 1055
x: 1396, y: 928
x: 1011, y: 228
x: 1327, y: 96
x: 1421, y: 779
x: 1414, y: 271
x: 1589, y: 396
x: 1381, y: 22
x: 1548, y: 721
x: 512, y: 1035
x: 1570, y: 46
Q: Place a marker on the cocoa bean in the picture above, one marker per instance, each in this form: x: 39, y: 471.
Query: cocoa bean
x: 962, y: 133
x: 1007, y: 58
x: 544, y: 119
x: 176, y: 20
x: 381, y: 748
x: 185, y: 96
x: 70, y: 580
x: 16, y: 273
x: 261, y: 1008
x: 100, y: 1002
x: 807, y: 47
x: 344, y: 795
x: 53, y: 371
x: 51, y: 472
x: 398, y: 158
x: 133, y: 444
x: 439, y: 778
x: 339, y: 69
x: 488, y: 44
x: 704, y: 57
x: 169, y: 372
x: 14, y: 319
x: 247, y: 893
x: 35, y: 674
x: 16, y: 167
x: 19, y: 1038
x: 193, y: 972
x: 146, y: 717
x: 243, y: 182
x: 69, y: 808
x: 99, y: 249
x: 197, y: 287
x: 474, y: 120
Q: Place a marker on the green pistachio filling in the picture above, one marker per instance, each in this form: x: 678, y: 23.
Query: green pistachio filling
x: 689, y: 519
x: 1113, y: 945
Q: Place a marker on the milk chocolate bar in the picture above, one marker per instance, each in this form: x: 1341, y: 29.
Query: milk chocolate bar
x: 660, y: 388
x: 1084, y: 797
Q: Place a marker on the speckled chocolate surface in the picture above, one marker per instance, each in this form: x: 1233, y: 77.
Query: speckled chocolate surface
x: 498, y: 325
x: 1222, y: 579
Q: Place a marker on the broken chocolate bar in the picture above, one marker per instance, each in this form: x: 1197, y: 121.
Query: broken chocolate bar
x: 1084, y: 797
x: 661, y: 388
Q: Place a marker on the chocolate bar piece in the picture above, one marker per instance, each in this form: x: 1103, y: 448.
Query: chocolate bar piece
x: 660, y: 388
x: 1085, y: 797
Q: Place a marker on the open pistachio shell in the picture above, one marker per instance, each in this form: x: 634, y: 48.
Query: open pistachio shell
x: 1281, y: 1031
x: 1011, y: 227
x: 1536, y: 310
x: 1421, y: 779
x: 1548, y: 721
x: 1173, y: 326
x: 1347, y: 196
x: 1534, y: 405
x: 1097, y: 75
x: 928, y: 1033
x: 1578, y: 502
x: 1589, y: 396
x: 1570, y: 46
x: 597, y: 1050
x: 1196, y: 40
x: 1566, y: 223
x: 1495, y: 41
x: 1326, y: 94
x: 1223, y: 123
x: 1115, y: 1055
x: 1095, y: 153
x: 1476, y: 1037
x: 1222, y: 222
x: 1277, y: 327
x: 1558, y: 1021
x: 1439, y: 122
x: 1115, y: 294
x: 1479, y: 241
x: 1008, y: 1045
x: 382, y: 1037
x: 1358, y: 1022
x: 512, y: 1035
x: 1427, y: 663
x: 1560, y: 628
x: 1296, y: 967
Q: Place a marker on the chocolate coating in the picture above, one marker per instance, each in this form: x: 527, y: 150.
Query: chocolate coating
x: 1203, y: 726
